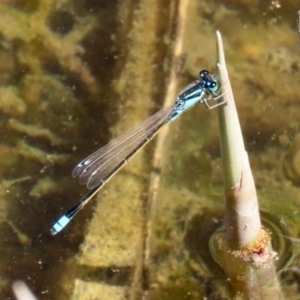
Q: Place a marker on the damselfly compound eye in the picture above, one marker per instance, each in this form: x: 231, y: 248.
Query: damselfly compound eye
x: 203, y: 74
x: 212, y: 86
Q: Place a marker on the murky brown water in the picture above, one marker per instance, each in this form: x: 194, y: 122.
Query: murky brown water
x: 74, y: 75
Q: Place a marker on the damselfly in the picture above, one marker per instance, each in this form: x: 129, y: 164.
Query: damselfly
x: 99, y: 167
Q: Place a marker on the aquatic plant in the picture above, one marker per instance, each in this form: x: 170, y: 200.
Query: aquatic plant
x: 244, y: 249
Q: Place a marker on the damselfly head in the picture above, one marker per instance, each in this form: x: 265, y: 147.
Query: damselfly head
x: 209, y: 82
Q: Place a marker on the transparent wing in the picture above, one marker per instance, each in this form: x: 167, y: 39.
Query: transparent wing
x: 97, y: 167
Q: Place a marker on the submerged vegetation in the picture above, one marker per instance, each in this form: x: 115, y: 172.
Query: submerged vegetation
x: 44, y: 74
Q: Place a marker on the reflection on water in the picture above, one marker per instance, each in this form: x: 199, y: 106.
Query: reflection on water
x: 73, y: 75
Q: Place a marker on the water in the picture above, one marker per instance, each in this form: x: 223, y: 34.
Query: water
x: 75, y: 108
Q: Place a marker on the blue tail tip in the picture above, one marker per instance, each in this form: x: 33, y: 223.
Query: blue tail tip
x: 60, y: 225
